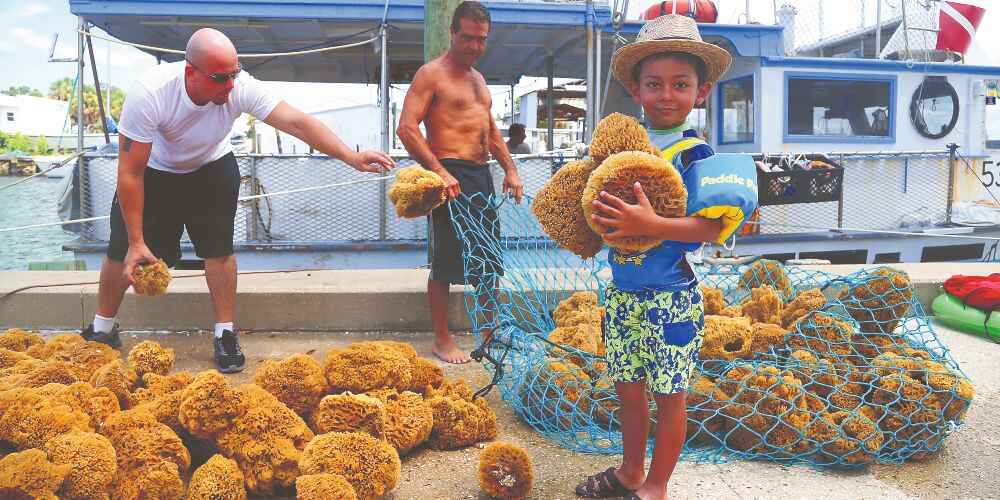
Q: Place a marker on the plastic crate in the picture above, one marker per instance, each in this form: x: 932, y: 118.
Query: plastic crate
x: 797, y: 183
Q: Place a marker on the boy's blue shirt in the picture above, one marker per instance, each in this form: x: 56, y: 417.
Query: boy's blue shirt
x: 664, y: 267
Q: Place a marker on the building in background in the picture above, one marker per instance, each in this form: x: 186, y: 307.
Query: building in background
x: 31, y: 115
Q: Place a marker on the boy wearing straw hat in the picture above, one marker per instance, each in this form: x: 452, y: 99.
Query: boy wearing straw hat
x: 654, y: 313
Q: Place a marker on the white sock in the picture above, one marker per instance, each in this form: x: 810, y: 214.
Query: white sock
x: 102, y: 324
x: 219, y: 327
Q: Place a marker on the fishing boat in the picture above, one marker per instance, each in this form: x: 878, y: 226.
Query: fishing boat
x: 873, y: 144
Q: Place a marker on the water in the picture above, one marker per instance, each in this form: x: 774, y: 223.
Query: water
x: 31, y: 202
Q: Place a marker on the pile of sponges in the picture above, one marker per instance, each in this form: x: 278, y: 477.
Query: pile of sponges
x: 79, y: 421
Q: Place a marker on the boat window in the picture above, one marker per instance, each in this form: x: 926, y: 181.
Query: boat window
x: 934, y: 107
x: 736, y: 99
x: 839, y: 108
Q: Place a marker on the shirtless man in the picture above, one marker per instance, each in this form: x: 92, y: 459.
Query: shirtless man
x: 451, y: 98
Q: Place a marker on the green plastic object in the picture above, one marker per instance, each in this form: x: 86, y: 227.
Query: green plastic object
x: 951, y: 311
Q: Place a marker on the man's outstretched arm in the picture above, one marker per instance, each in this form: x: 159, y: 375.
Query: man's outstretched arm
x: 313, y: 132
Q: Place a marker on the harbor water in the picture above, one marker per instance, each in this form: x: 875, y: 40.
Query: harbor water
x: 31, y: 202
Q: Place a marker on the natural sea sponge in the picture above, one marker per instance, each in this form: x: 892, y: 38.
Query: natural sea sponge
x: 29, y: 474
x: 767, y: 272
x: 28, y: 419
x: 92, y: 460
x: 557, y: 208
x: 417, y: 191
x: 572, y: 304
x: 409, y: 419
x: 714, y: 300
x: 459, y: 423
x: 160, y: 481
x: 141, y: 441
x: 119, y: 378
x: 660, y: 181
x: 16, y: 339
x: 586, y: 338
x: 96, y: 402
x: 880, y: 300
x: 763, y: 306
x: 505, y: 471
x: 217, y: 479
x: 704, y: 400
x: 849, y: 437
x: 209, y: 404
x: 83, y: 357
x: 370, y: 465
x: 766, y: 336
x: 425, y: 373
x: 733, y: 311
x: 366, y: 369
x: 617, y: 133
x: 803, y: 304
x: 266, y: 441
x: 150, y: 357
x: 822, y: 332
x: 726, y: 338
x: 323, y: 487
x: 350, y: 413
x: 151, y: 279
x: 297, y: 381
x: 454, y: 388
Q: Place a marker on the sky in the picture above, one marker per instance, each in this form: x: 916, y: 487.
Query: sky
x: 30, y: 25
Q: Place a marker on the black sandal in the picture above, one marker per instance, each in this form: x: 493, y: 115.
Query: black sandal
x: 602, y: 485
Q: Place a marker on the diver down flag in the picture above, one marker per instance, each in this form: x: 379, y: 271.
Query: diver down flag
x: 958, y: 23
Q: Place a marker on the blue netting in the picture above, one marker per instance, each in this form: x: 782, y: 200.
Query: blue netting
x: 797, y: 366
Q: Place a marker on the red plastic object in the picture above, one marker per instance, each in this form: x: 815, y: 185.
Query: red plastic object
x: 981, y: 292
x: 703, y: 11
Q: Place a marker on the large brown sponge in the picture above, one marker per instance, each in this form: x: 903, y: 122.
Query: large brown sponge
x: 93, y: 463
x: 151, y: 279
x: 371, y: 466
x: 880, y: 301
x: 217, y: 479
x: 416, y: 192
x: 29, y: 474
x: 297, y: 381
x: 558, y: 209
x: 323, y: 487
x: 660, y: 181
x: 505, y: 471
x: 617, y: 133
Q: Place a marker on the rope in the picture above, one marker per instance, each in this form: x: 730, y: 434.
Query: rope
x: 245, y: 56
x: 43, y: 172
x: 81, y: 283
x: 876, y: 231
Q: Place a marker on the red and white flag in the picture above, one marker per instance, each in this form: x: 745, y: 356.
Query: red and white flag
x: 957, y: 26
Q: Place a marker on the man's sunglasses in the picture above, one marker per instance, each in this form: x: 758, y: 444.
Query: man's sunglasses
x: 219, y: 77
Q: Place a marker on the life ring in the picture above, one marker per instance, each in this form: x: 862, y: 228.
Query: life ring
x: 702, y: 11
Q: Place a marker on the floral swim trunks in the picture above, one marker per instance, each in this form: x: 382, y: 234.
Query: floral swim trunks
x: 653, y: 335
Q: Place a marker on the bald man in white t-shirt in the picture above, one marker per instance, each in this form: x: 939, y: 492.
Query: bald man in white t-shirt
x: 176, y: 169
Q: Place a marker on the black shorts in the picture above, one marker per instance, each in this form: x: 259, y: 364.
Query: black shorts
x: 204, y: 201
x: 484, y: 239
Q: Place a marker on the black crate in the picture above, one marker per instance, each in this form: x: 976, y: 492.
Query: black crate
x: 798, y: 185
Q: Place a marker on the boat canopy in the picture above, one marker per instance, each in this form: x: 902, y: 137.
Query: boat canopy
x: 523, y: 36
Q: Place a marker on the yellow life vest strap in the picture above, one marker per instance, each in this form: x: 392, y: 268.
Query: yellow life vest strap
x: 682, y: 145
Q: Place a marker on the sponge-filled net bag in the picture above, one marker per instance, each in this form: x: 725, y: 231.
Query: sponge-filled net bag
x: 797, y: 365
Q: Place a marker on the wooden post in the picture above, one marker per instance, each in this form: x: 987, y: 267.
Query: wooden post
x: 437, y: 27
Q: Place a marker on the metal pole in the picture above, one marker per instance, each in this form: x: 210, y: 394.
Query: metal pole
x: 597, y: 75
x: 254, y: 207
x: 878, y: 29
x: 952, y: 164
x: 79, y: 88
x: 840, y: 201
x: 384, y: 90
x: 97, y: 88
x: 550, y: 102
x: 589, y: 123
x: 746, y: 19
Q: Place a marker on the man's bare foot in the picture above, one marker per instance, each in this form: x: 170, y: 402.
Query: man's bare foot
x: 449, y: 352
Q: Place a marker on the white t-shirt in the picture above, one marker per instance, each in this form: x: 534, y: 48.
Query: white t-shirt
x: 521, y: 149
x: 185, y: 136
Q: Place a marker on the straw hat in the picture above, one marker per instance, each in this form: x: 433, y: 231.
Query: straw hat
x: 670, y: 33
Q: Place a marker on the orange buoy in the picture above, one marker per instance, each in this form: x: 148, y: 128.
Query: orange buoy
x: 702, y: 11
